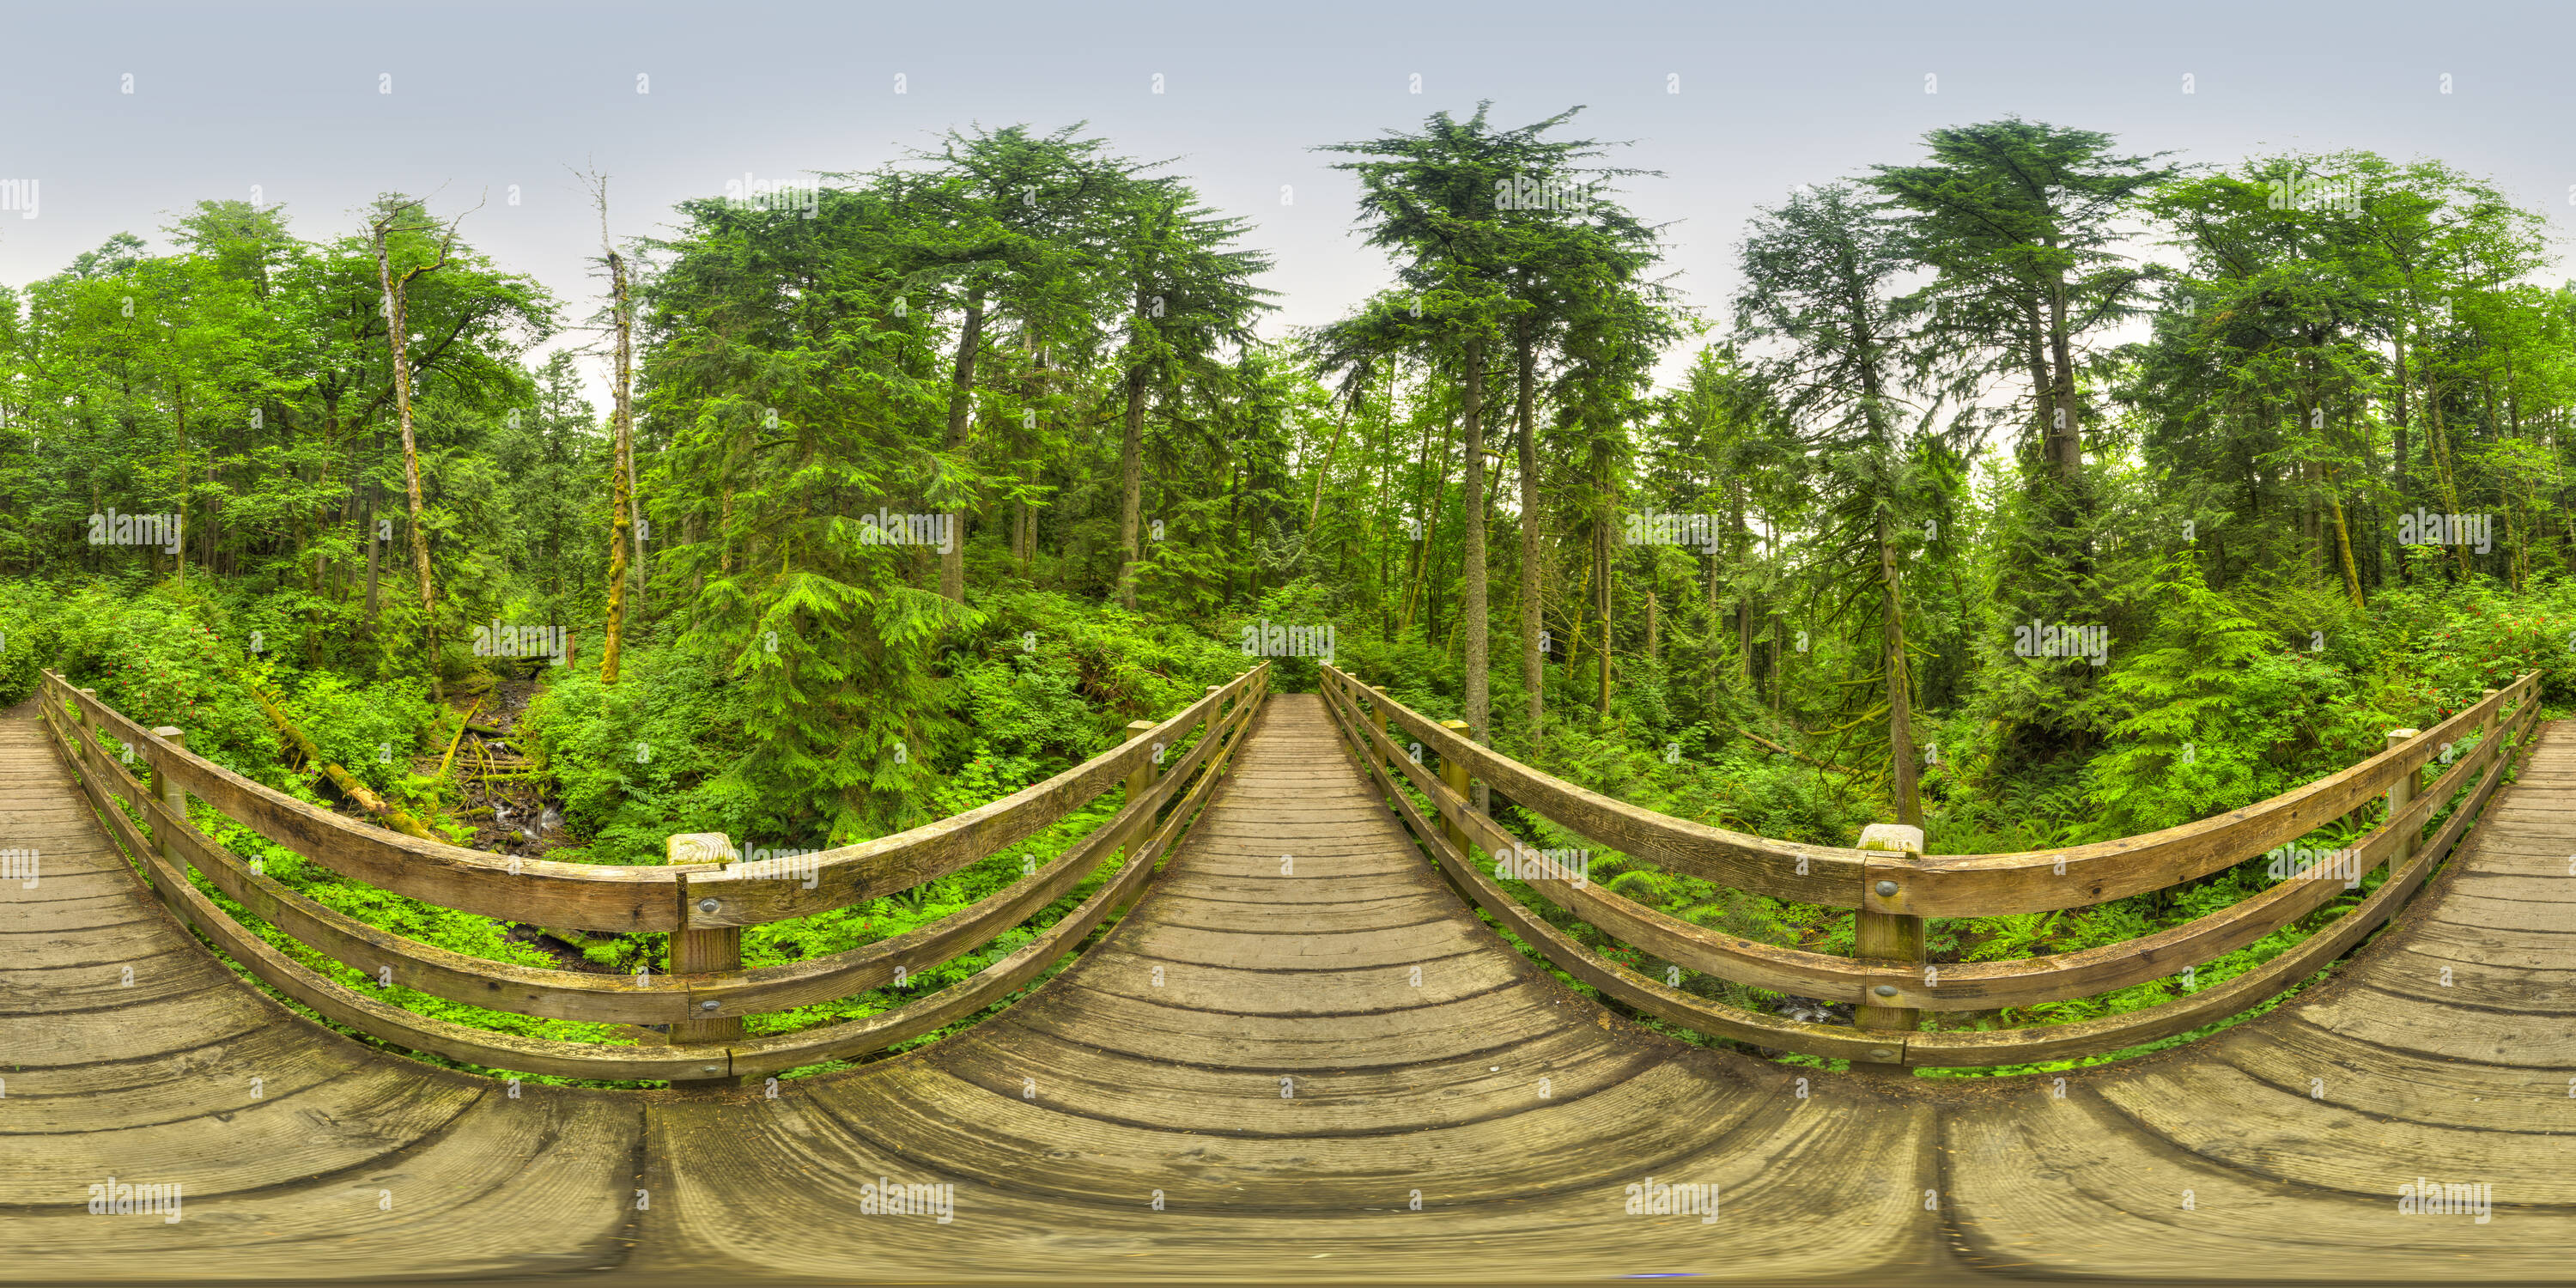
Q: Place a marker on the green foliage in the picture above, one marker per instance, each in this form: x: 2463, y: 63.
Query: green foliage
x: 638, y: 761
x: 2221, y: 715
x: 1016, y: 329
x: 372, y: 730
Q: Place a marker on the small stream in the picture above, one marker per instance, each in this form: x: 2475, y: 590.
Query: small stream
x: 516, y: 817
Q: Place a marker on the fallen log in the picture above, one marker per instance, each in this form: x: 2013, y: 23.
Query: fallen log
x: 450, y: 757
x: 1800, y: 755
x: 347, y: 782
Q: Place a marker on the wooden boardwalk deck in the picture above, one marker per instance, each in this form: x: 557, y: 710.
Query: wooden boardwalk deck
x: 1297, y: 1033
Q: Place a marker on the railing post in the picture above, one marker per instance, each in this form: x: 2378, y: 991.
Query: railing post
x: 173, y: 798
x: 1888, y: 936
x: 2401, y: 793
x: 1453, y: 772
x: 1377, y: 716
x: 87, y: 728
x: 714, y: 949
x: 1141, y: 778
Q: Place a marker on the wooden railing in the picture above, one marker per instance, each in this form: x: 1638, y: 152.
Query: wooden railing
x: 1894, y: 886
x: 702, y: 899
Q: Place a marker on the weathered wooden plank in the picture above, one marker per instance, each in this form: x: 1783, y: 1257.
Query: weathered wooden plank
x: 539, y: 1185
x: 2306, y: 1059
x: 2543, y: 1043
x: 1427, y: 1095
x: 349, y: 1122
x: 2071, y: 1190
x: 2292, y: 1133
x: 1229, y: 990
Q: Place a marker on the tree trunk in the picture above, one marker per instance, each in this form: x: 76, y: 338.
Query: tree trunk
x: 373, y: 546
x: 179, y: 569
x: 1131, y: 488
x: 397, y: 338
x: 1779, y: 661
x: 1607, y: 571
x: 1533, y: 666
x: 961, y: 407
x: 642, y: 526
x: 2043, y: 389
x: 1315, y: 508
x: 1471, y: 556
x: 1743, y: 593
x: 621, y: 483
x: 1423, y: 568
x: 2442, y: 470
x: 2070, y: 439
x: 2343, y: 541
x: 1900, y: 716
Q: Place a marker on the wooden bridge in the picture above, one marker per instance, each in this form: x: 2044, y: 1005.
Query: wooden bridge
x: 1300, y: 1055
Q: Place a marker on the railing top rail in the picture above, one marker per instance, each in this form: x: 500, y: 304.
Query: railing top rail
x: 1950, y: 885
x: 1782, y: 869
x: 635, y: 897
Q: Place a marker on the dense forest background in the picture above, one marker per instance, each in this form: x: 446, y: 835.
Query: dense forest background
x: 2026, y: 488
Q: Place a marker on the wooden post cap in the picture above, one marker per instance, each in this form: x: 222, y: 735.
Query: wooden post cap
x: 1138, y: 728
x: 1892, y: 836
x: 699, y: 847
x: 2398, y: 737
x: 171, y: 734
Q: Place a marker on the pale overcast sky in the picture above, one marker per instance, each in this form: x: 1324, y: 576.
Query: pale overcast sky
x: 289, y: 98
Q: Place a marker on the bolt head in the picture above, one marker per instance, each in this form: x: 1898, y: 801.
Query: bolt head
x: 710, y: 1003
x: 1882, y: 1053
x: 1885, y: 990
x: 1886, y: 888
x: 706, y: 905
x: 709, y: 1068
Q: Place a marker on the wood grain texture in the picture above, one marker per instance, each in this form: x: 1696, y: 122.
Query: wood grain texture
x: 1058, y: 1119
